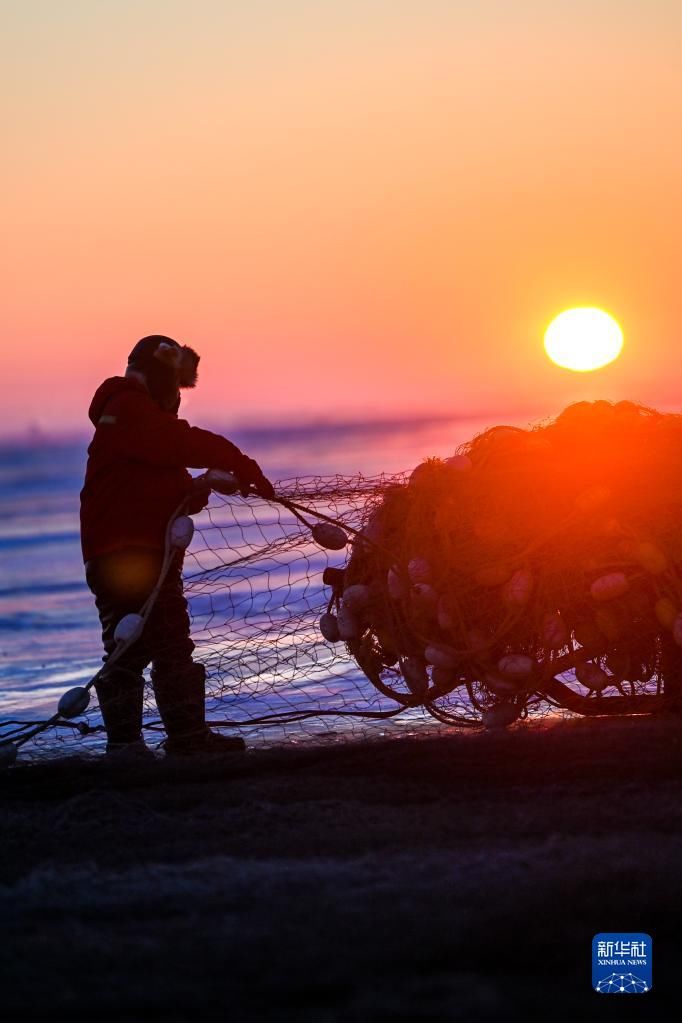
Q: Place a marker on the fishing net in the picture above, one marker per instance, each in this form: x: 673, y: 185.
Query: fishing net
x: 257, y: 584
x: 534, y: 569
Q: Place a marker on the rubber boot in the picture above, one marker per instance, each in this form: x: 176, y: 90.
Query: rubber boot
x: 120, y: 694
x: 181, y: 699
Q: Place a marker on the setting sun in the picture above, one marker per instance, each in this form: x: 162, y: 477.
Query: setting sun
x: 583, y: 339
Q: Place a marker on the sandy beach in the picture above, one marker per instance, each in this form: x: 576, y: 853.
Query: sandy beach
x: 449, y: 877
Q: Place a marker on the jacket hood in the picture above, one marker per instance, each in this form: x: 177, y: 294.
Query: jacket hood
x: 106, y: 391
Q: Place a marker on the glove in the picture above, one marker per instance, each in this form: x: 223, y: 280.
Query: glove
x: 250, y: 474
x: 198, y: 496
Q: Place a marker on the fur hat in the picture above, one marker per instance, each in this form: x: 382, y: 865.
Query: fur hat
x: 167, y: 366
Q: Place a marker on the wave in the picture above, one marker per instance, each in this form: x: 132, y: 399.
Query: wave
x: 22, y: 621
x: 35, y: 589
x: 32, y: 539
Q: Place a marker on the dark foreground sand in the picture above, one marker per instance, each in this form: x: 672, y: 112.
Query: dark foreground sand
x: 458, y: 877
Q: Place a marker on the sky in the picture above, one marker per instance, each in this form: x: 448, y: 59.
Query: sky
x: 349, y: 208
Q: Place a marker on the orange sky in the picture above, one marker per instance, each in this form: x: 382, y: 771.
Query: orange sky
x: 349, y: 208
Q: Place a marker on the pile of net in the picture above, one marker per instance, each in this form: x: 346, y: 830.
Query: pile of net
x: 529, y: 554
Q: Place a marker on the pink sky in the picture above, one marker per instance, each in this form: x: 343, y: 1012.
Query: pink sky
x: 354, y: 208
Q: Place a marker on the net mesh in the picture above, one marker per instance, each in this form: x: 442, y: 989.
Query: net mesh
x: 254, y: 578
x: 535, y: 569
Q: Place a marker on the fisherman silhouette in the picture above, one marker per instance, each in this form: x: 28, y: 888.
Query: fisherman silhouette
x: 135, y: 479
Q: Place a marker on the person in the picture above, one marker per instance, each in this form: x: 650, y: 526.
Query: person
x: 135, y: 479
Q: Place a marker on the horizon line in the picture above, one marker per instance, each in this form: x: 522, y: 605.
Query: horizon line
x: 289, y: 423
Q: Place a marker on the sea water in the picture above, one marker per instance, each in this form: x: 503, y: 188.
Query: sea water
x: 49, y: 630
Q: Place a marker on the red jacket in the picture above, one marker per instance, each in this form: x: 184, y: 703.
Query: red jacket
x: 136, y: 474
